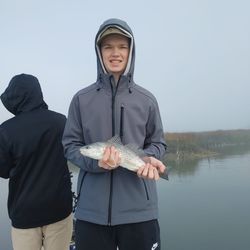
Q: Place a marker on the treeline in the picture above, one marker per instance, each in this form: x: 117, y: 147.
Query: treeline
x: 200, y: 144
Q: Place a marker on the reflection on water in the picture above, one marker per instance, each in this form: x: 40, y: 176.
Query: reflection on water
x: 185, y: 168
x: 224, y: 152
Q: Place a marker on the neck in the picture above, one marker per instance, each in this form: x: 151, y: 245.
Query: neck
x: 116, y: 77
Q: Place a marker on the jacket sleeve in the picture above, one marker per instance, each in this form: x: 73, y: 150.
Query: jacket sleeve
x: 155, y: 144
x: 5, y: 157
x: 73, y: 140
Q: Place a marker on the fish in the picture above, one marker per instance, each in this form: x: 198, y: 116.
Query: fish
x: 130, y: 154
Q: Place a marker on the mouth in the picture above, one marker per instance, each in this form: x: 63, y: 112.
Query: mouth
x: 115, y: 61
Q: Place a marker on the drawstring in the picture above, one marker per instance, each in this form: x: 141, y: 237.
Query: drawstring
x: 129, y: 77
x: 99, y: 86
x: 129, y: 80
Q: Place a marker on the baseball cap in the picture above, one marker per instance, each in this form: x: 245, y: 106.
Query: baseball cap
x: 111, y: 31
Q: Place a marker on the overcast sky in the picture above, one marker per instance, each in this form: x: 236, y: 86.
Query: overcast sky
x: 193, y: 55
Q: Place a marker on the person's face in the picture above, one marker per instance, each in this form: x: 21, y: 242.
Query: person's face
x: 115, y: 52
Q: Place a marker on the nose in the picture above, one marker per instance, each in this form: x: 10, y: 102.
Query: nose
x: 115, y: 52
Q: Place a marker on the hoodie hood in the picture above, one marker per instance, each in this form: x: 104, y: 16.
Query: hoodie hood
x: 23, y: 94
x: 123, y: 26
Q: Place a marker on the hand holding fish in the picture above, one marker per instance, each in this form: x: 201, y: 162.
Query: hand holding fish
x: 113, y: 153
x: 148, y: 172
x: 151, y: 169
x: 156, y: 163
x: 111, y: 158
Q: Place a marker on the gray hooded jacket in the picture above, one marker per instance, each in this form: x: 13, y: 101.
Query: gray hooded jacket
x: 99, y: 112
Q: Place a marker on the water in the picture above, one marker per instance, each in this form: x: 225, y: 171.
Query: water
x: 204, y: 206
x: 5, y: 238
x: 207, y: 207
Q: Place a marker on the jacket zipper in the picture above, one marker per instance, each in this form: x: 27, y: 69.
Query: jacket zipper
x: 121, y: 122
x: 113, y: 134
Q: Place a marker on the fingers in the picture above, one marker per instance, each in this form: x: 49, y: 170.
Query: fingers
x: 106, y: 154
x: 148, y: 172
x: 160, y: 166
x: 156, y: 174
x: 152, y: 168
x: 114, y: 157
x: 111, y: 158
x: 156, y: 163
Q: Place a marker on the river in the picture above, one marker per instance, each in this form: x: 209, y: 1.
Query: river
x: 204, y: 206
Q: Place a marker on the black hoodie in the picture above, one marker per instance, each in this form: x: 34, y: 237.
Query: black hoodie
x: 31, y: 156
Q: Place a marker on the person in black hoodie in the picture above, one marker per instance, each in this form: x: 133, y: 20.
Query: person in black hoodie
x: 31, y: 156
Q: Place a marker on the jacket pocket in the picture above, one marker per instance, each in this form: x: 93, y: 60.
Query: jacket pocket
x: 146, y: 189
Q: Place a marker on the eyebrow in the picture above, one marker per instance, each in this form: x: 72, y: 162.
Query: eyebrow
x: 109, y: 44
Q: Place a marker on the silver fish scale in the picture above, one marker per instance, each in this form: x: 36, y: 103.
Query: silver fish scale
x: 129, y: 159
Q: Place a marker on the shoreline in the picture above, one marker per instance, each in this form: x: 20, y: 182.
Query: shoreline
x: 199, y: 145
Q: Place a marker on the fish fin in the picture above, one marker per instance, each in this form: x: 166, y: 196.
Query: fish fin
x: 115, y: 140
x: 135, y: 149
x: 131, y: 146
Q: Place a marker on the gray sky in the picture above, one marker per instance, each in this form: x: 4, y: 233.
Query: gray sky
x: 193, y: 55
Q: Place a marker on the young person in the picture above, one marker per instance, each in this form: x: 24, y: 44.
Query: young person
x: 116, y: 208
x: 32, y: 158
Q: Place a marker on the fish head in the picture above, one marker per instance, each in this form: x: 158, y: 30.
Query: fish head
x: 94, y: 150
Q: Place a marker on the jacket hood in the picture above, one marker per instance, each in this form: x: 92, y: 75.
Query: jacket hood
x: 23, y: 94
x: 123, y: 26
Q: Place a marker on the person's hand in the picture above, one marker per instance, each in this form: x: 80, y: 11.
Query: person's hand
x: 111, y: 159
x: 151, y: 169
x: 148, y: 171
x: 155, y: 163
